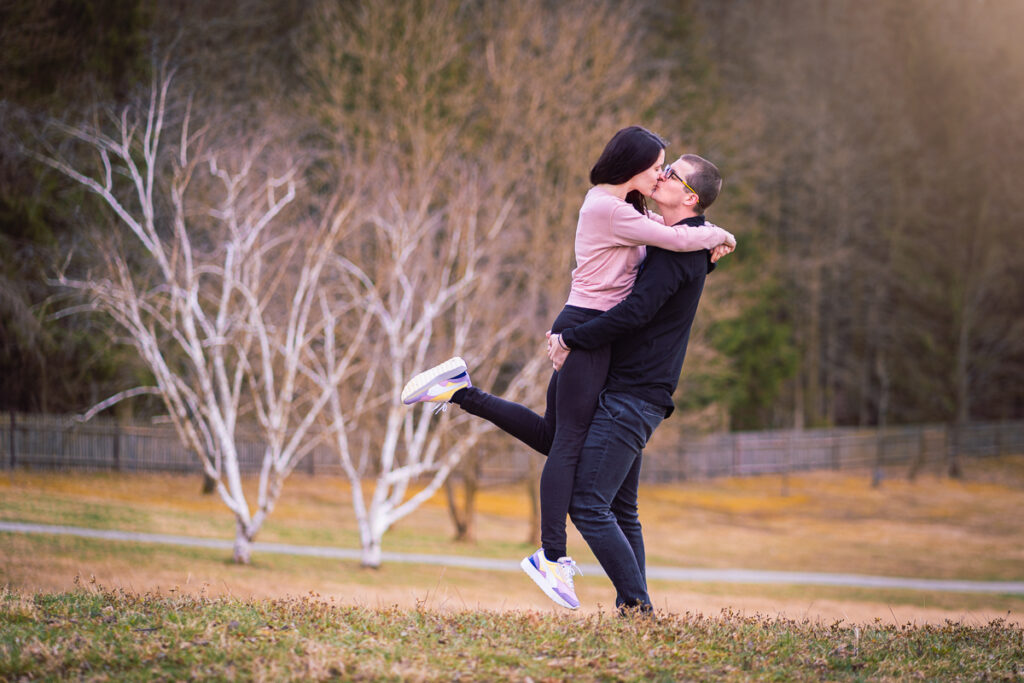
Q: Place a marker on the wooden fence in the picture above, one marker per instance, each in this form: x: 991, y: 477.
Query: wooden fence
x: 781, y: 451
x: 55, y: 442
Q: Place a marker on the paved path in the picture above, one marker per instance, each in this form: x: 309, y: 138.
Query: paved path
x: 749, y: 576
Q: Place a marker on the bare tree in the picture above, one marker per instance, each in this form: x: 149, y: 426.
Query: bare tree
x: 476, y: 138
x: 214, y: 283
x: 416, y: 272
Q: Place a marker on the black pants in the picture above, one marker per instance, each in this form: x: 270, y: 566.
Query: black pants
x: 560, y: 434
x: 604, y: 504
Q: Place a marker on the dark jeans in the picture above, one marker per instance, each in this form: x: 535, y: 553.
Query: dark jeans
x: 604, y: 501
x: 571, y: 401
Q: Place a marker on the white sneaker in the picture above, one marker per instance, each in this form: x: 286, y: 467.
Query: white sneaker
x: 554, y: 578
x: 438, y: 384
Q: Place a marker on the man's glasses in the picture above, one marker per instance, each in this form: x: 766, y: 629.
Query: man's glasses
x: 669, y: 172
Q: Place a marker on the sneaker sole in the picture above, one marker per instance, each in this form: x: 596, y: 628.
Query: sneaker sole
x: 446, y: 370
x: 538, y: 579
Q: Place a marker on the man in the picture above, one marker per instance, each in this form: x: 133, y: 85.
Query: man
x: 450, y: 382
x: 649, y: 331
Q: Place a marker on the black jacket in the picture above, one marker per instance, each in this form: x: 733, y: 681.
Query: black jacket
x: 650, y: 328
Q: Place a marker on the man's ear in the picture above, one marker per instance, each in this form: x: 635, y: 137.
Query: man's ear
x: 690, y: 199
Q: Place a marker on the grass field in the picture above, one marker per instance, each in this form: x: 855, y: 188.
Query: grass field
x: 73, y: 595
x: 98, y: 634
x: 826, y: 522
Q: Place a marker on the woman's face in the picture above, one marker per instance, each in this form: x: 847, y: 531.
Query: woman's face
x: 646, y: 181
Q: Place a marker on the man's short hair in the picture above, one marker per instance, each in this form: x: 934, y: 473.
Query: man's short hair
x: 705, y: 180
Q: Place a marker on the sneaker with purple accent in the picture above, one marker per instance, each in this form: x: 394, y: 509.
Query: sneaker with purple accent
x: 438, y: 384
x: 554, y: 578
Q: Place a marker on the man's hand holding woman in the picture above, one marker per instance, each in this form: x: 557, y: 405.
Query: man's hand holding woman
x: 557, y: 350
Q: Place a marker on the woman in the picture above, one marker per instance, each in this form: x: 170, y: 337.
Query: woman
x: 614, y: 225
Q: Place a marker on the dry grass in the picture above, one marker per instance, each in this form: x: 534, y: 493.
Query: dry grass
x: 932, y: 528
x: 95, y: 633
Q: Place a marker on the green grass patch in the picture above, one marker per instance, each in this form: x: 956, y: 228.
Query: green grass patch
x: 94, y: 633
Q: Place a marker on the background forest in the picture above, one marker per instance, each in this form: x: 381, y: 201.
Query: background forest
x: 872, y: 155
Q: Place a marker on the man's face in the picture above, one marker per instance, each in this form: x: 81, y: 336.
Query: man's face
x: 670, y: 190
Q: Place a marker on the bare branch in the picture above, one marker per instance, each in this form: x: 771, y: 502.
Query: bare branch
x: 115, y: 399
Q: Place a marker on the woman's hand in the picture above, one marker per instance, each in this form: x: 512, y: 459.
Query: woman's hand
x: 720, y: 251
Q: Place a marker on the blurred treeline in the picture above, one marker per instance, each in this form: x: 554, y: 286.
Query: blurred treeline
x: 872, y: 155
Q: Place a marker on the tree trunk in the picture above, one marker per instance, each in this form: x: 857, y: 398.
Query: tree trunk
x: 953, y: 453
x: 464, y: 517
x: 882, y: 371
x: 533, y: 491
x: 963, y: 393
x: 242, y: 553
x: 371, y: 553
x: 811, y: 410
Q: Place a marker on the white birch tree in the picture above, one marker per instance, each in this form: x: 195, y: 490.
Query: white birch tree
x: 418, y: 272
x: 214, y: 283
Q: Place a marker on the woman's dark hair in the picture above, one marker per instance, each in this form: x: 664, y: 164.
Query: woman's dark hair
x: 630, y: 151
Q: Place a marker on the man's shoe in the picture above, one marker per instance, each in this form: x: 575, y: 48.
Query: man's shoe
x: 643, y: 611
x: 554, y: 578
x: 438, y: 384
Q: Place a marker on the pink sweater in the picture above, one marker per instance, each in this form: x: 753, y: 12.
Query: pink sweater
x: 610, y: 239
